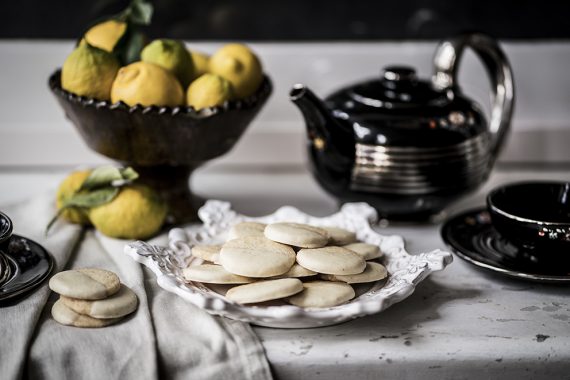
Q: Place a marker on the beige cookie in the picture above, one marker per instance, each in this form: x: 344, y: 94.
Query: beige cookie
x: 297, y: 271
x: 118, y: 305
x: 365, y: 250
x: 85, y: 284
x: 64, y: 315
x: 373, y: 272
x: 213, y: 274
x: 340, y: 236
x: 298, y: 235
x: 322, y: 294
x: 209, y: 253
x: 245, y: 229
x: 262, y: 291
x: 256, y: 257
x: 331, y: 260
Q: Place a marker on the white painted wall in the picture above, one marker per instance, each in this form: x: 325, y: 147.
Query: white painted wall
x: 34, y: 131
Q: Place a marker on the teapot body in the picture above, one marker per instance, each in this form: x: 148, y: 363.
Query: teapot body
x: 406, y: 146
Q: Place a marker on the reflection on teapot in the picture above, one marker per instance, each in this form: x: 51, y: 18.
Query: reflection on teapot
x: 407, y: 146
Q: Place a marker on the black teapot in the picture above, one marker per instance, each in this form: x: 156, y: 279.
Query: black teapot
x: 409, y: 147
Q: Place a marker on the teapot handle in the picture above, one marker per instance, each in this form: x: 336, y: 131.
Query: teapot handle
x: 446, y: 62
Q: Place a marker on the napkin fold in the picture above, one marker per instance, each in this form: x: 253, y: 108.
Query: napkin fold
x: 165, y: 338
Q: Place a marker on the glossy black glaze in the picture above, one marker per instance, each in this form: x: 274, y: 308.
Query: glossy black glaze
x: 390, y: 113
x: 165, y: 143
x: 5, y: 230
x: 31, y: 263
x: 534, y: 215
x: 472, y: 237
x: 405, y: 113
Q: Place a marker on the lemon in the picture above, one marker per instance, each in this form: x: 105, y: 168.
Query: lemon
x: 67, y: 188
x: 238, y: 64
x: 200, y: 63
x: 171, y: 55
x: 105, y: 35
x: 89, y: 71
x: 147, y: 84
x: 208, y: 91
x: 136, y: 213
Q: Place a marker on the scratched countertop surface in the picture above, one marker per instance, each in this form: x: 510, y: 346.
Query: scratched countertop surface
x: 459, y: 323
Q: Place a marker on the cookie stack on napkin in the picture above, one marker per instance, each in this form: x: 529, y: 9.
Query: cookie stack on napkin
x: 91, y: 298
x: 270, y: 260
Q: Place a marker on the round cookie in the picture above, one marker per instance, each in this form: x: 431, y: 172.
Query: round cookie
x: 209, y: 253
x: 331, y: 260
x: 256, y: 257
x: 297, y: 271
x: 322, y: 294
x: 86, y: 284
x: 118, y: 305
x: 298, y: 235
x: 213, y: 274
x: 64, y: 315
x: 373, y: 272
x: 340, y: 236
x: 245, y: 229
x: 365, y: 250
x: 262, y: 291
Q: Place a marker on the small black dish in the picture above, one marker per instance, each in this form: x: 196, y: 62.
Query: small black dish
x: 472, y: 237
x: 24, y: 263
x: 534, y: 215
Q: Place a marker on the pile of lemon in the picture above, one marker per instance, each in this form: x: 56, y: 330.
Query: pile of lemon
x: 168, y: 74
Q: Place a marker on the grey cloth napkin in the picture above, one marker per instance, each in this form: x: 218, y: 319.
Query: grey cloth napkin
x: 166, y: 338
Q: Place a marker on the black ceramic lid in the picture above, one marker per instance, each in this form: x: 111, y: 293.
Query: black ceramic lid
x: 396, y: 87
x: 398, y: 109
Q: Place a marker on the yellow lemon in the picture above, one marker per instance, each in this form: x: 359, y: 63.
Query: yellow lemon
x: 208, y: 91
x: 67, y: 188
x: 171, y: 55
x: 147, y: 84
x: 89, y: 71
x: 238, y: 64
x: 200, y: 63
x: 136, y: 213
x: 105, y: 35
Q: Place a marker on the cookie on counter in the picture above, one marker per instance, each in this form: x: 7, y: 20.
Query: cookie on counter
x: 86, y: 284
x: 64, y: 315
x: 118, y: 305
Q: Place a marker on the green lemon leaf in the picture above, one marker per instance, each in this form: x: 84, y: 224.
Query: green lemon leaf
x: 89, y: 199
x: 108, y: 175
x: 86, y: 199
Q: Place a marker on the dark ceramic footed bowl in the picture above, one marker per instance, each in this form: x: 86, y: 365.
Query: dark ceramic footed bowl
x: 165, y: 144
x: 5, y: 230
x: 534, y: 215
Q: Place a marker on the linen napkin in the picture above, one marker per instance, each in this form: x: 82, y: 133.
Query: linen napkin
x: 165, y: 338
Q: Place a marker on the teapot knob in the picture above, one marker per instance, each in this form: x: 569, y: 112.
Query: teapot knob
x: 446, y: 61
x: 399, y: 74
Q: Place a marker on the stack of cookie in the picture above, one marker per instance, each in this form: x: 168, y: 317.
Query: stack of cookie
x: 270, y: 261
x: 91, y: 298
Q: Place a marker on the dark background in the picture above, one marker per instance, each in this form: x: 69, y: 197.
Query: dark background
x: 298, y: 20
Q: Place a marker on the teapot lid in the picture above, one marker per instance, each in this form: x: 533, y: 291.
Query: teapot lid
x: 397, y: 87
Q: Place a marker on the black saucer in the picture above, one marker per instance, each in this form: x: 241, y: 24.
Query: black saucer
x: 31, y: 264
x: 472, y: 237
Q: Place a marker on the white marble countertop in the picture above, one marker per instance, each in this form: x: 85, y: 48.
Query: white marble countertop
x: 459, y: 323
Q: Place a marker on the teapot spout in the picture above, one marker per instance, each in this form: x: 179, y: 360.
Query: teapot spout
x: 326, y: 134
x: 314, y: 111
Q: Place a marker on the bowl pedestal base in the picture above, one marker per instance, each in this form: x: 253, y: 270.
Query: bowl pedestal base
x: 173, y: 184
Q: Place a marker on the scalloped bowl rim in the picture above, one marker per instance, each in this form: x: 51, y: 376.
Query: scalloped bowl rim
x: 264, y: 90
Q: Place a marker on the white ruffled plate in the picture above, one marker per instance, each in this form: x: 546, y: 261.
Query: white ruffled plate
x: 404, y: 270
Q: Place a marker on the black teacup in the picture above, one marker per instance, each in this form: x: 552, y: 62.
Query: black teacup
x: 535, y: 216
